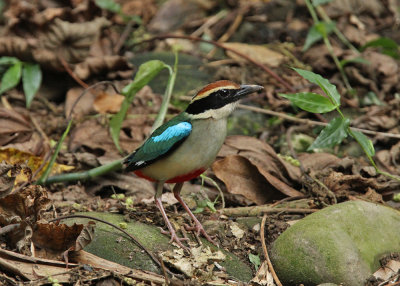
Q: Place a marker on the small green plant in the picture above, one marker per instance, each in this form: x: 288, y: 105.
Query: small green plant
x: 387, y: 46
x: 255, y: 260
x: 339, y: 127
x: 114, y: 7
x: 15, y: 70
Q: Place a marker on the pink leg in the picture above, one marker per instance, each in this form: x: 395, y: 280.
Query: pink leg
x: 174, y: 236
x: 198, y: 227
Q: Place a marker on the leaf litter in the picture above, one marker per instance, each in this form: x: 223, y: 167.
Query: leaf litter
x: 250, y: 171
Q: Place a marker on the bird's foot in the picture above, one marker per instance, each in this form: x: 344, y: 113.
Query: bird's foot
x: 199, y: 229
x: 175, y: 238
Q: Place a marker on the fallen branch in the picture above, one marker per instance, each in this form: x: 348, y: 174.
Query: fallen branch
x: 259, y: 210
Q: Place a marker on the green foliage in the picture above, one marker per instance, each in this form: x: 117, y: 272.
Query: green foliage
x: 388, y: 47
x: 201, y: 205
x: 331, y: 135
x: 144, y: 75
x: 358, y: 60
x: 311, y: 102
x: 109, y: 5
x: 30, y: 73
x: 255, y: 260
x: 317, y: 33
x: 339, y: 127
x: 114, y: 7
x: 328, y: 88
x: 31, y: 80
x: 320, y: 2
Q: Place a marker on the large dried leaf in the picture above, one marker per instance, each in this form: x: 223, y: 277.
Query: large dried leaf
x: 241, y: 177
x: 62, y: 237
x: 14, y: 127
x: 7, y: 179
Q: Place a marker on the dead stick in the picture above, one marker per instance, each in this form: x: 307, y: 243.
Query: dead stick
x: 264, y: 247
x: 258, y: 210
x: 263, y: 67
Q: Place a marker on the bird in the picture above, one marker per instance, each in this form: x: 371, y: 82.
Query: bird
x: 185, y: 146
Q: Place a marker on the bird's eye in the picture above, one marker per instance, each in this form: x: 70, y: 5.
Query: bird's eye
x: 224, y: 92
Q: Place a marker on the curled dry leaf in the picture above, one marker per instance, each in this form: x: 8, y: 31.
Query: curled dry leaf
x: 98, y: 65
x: 14, y: 127
x: 262, y: 170
x: 22, y: 209
x: 7, y: 179
x: 62, y: 237
x: 72, y: 40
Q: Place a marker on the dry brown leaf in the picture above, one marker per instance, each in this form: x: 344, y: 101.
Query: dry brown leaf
x: 258, y: 53
x: 241, y: 177
x: 83, y: 107
x: 14, y: 127
x: 62, y: 237
x: 7, y: 179
x: 98, y: 65
x: 108, y: 102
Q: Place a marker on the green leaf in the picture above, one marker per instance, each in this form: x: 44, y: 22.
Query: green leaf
x: 255, y: 260
x: 147, y: 71
x: 317, y: 32
x: 332, y: 134
x: 11, y: 77
x: 311, y: 102
x: 366, y: 144
x: 8, y: 60
x: 109, y: 5
x: 320, y: 2
x: 313, y: 36
x: 388, y: 46
x: 31, y: 80
x: 358, y: 60
x: 324, y: 84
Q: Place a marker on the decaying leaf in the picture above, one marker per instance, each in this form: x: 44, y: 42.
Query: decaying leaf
x: 17, y: 157
x: 14, y: 127
x: 62, y: 237
x: 252, y: 168
x: 108, y: 102
x: 7, y: 179
x: 200, y: 258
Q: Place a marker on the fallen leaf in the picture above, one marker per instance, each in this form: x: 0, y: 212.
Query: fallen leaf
x: 7, y: 179
x: 14, y: 127
x: 108, y: 103
x: 260, y: 54
x: 241, y: 177
x: 17, y: 157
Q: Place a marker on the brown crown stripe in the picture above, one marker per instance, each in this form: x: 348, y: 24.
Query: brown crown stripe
x: 215, y: 85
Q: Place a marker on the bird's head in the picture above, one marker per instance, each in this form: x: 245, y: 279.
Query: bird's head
x: 218, y: 99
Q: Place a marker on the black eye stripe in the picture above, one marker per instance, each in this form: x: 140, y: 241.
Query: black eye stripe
x: 214, y: 100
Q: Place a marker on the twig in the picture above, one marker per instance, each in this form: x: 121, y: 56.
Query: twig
x: 312, y: 122
x: 287, y: 199
x: 9, y: 228
x: 125, y: 34
x: 263, y: 67
x: 232, y: 28
x: 116, y: 227
x: 264, y: 247
x: 71, y: 73
x: 258, y: 210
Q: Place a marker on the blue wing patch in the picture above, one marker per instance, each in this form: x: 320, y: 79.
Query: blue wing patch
x: 178, y: 130
x: 164, y: 140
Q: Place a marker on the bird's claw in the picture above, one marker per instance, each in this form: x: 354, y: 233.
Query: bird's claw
x: 175, y: 238
x: 198, y: 229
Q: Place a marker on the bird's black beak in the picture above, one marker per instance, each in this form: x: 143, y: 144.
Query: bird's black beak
x: 246, y: 89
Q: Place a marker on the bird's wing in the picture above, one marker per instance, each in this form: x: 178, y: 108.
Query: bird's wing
x: 162, y: 141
